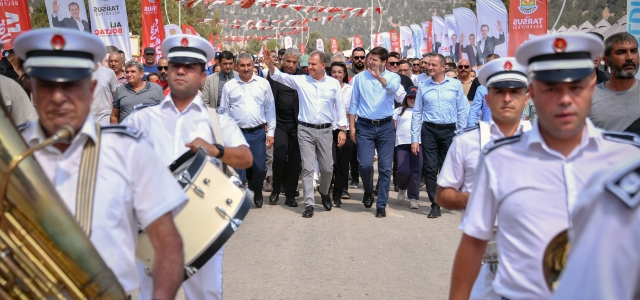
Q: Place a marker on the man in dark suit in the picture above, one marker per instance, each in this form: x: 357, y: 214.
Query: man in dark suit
x: 471, y: 50
x: 455, y: 49
x: 436, y: 44
x: 488, y: 43
x: 405, y: 49
x: 74, y: 22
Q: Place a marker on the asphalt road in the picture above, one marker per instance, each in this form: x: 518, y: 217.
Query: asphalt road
x: 345, y: 253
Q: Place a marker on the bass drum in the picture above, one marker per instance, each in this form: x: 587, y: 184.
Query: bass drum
x: 217, y: 205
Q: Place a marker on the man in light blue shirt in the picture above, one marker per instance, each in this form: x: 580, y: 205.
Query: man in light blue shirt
x: 372, y: 101
x: 441, y: 107
x: 479, y: 111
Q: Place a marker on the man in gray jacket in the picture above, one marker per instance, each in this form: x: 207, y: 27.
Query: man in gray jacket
x: 214, y: 83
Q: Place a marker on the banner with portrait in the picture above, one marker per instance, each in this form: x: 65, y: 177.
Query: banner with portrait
x: 416, y: 32
x: 406, y: 42
x: 288, y: 43
x: 426, y: 37
x: 320, y: 45
x: 303, y: 49
x: 395, y: 40
x: 357, y: 42
x: 171, y: 29
x: 526, y: 17
x: 466, y: 22
x: 14, y: 18
x: 109, y: 22
x: 439, y: 29
x: 68, y: 14
x: 492, y: 29
x: 451, y: 38
x: 153, y: 32
x: 334, y: 45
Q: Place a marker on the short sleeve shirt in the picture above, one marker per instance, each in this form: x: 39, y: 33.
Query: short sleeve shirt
x: 103, y: 94
x: 125, y: 99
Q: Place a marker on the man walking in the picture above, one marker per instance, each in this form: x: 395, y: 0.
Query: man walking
x: 212, y: 90
x: 357, y: 60
x: 133, y: 93
x: 116, y: 63
x: 441, y: 108
x: 150, y: 65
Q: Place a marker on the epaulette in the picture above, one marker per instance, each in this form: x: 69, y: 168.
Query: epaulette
x: 23, y: 126
x: 500, y: 142
x: 144, y: 105
x: 221, y: 110
x: 467, y: 129
x: 130, y: 131
x: 622, y: 137
x: 626, y: 185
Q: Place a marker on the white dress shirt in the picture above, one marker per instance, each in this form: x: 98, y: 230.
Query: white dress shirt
x: 250, y: 103
x: 132, y: 188
x: 532, y: 189
x: 169, y: 130
x: 604, y: 258
x: 319, y: 99
x: 347, y: 89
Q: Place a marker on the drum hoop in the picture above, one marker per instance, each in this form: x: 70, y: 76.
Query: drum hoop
x: 194, y: 169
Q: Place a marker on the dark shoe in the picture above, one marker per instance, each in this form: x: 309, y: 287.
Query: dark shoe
x: 381, y: 213
x: 291, y: 202
x: 326, y: 201
x: 438, y: 209
x: 375, y: 190
x: 345, y: 195
x: 337, y: 200
x: 274, y: 198
x: 354, y: 184
x: 367, y: 200
x: 257, y: 199
x: 434, y: 212
x: 297, y: 194
x: 308, y: 212
x: 395, y: 188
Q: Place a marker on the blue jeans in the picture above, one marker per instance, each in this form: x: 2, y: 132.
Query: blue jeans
x: 381, y: 138
x: 257, y: 145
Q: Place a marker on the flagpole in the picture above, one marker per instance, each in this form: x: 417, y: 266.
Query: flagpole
x: 180, y: 15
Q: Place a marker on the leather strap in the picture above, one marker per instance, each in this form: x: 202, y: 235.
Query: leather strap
x: 485, y: 134
x: 87, y: 182
x: 215, y: 126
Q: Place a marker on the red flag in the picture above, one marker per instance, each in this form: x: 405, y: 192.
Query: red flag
x: 14, y: 18
x: 525, y: 21
x: 247, y: 3
x: 334, y: 45
x: 311, y: 8
x: 360, y: 13
x: 303, y: 49
x: 395, y: 40
x: 188, y: 29
x: 379, y: 10
x: 152, y: 26
x: 211, y: 40
x: 321, y: 9
x: 343, y: 16
x: 330, y: 18
x: 304, y: 22
x: 357, y: 41
x: 335, y: 10
x: 298, y: 7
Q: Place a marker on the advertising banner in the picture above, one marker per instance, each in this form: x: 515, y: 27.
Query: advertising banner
x: 14, y: 18
x: 171, y: 29
x: 416, y: 31
x: 492, y: 33
x: 438, y: 31
x: 320, y: 45
x: 69, y: 14
x: 188, y: 29
x: 288, y: 43
x: 406, y: 42
x: 427, y: 29
x: 466, y: 22
x: 108, y: 21
x: 303, y: 49
x: 451, y: 37
x: 356, y: 42
x: 395, y: 40
x: 526, y: 17
x: 152, y: 35
x: 334, y: 45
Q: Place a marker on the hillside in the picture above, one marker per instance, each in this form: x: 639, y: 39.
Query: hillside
x: 577, y: 12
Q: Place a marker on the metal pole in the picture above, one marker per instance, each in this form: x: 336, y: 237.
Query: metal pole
x: 179, y: 14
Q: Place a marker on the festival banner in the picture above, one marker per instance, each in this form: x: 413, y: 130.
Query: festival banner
x: 288, y: 43
x: 69, y: 14
x: 320, y: 45
x: 466, y: 22
x: 108, y: 21
x: 334, y: 45
x: 492, y: 29
x: 451, y: 37
x: 356, y: 42
x: 426, y: 37
x: 171, y: 29
x: 188, y: 29
x: 439, y: 29
x: 303, y: 49
x: 395, y: 40
x: 385, y: 40
x: 376, y: 40
x: 152, y: 35
x: 406, y: 42
x: 416, y: 31
x: 14, y: 18
x: 526, y: 17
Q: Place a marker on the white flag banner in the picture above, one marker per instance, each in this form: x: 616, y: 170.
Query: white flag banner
x: 492, y: 29
x: 171, y: 29
x: 320, y: 45
x: 406, y: 42
x: 452, y: 37
x: 425, y: 38
x: 439, y: 29
x: 385, y: 39
x: 416, y: 31
x: 288, y: 43
x: 109, y: 22
x: 466, y: 22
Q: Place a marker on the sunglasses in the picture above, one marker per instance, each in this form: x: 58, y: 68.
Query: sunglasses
x: 163, y: 68
x: 394, y: 63
x: 358, y: 57
x: 463, y: 67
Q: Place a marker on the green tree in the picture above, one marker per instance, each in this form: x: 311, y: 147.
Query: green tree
x: 271, y: 44
x: 344, y: 44
x: 311, y: 44
x: 39, y: 17
x: 471, y: 4
x: 254, y: 47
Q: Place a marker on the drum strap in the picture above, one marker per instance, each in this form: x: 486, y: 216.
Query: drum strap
x: 87, y: 182
x: 215, y: 125
x: 485, y: 134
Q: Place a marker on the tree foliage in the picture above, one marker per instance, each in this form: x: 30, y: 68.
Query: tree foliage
x: 471, y: 4
x: 254, y: 47
x: 344, y: 44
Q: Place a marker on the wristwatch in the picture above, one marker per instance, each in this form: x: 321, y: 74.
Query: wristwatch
x: 220, y: 150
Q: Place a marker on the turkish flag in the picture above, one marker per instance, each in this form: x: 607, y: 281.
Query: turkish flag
x: 14, y: 19
x: 247, y: 3
x: 188, y: 29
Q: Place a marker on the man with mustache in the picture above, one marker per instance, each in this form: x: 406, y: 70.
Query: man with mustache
x: 616, y: 103
x: 357, y: 60
x: 567, y: 151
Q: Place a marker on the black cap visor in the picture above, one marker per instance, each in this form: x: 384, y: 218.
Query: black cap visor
x: 186, y: 60
x: 561, y: 75
x: 508, y: 84
x: 59, y: 74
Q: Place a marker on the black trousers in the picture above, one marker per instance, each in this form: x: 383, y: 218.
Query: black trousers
x: 436, y: 139
x: 287, y: 163
x: 341, y: 159
x: 353, y: 162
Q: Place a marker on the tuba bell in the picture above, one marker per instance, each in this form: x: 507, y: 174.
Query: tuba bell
x: 555, y: 258
x: 43, y: 252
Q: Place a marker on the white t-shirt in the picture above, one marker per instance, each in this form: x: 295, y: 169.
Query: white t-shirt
x: 403, y: 127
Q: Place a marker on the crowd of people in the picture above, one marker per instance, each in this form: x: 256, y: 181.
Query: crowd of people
x: 527, y: 146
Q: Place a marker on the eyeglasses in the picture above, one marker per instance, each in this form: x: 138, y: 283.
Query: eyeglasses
x: 358, y: 57
x: 394, y: 63
x: 463, y: 67
x: 160, y: 68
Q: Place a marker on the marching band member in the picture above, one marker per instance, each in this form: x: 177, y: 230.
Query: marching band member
x: 131, y: 188
x: 180, y: 123
x: 507, y: 97
x: 565, y: 147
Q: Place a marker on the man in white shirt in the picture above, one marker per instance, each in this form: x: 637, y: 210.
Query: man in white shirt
x: 507, y: 98
x: 566, y: 150
x: 424, y: 76
x: 131, y: 188
x: 249, y: 101
x: 181, y: 123
x: 321, y: 104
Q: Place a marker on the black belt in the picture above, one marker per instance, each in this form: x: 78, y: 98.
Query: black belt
x: 252, y: 129
x: 375, y: 122
x: 315, y: 126
x: 441, y: 126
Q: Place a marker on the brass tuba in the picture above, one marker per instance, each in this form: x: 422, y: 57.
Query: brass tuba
x: 555, y: 258
x: 43, y: 252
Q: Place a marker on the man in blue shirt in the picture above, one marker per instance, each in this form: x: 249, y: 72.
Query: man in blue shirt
x: 372, y: 101
x: 441, y: 107
x: 478, y: 111
x: 150, y: 65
